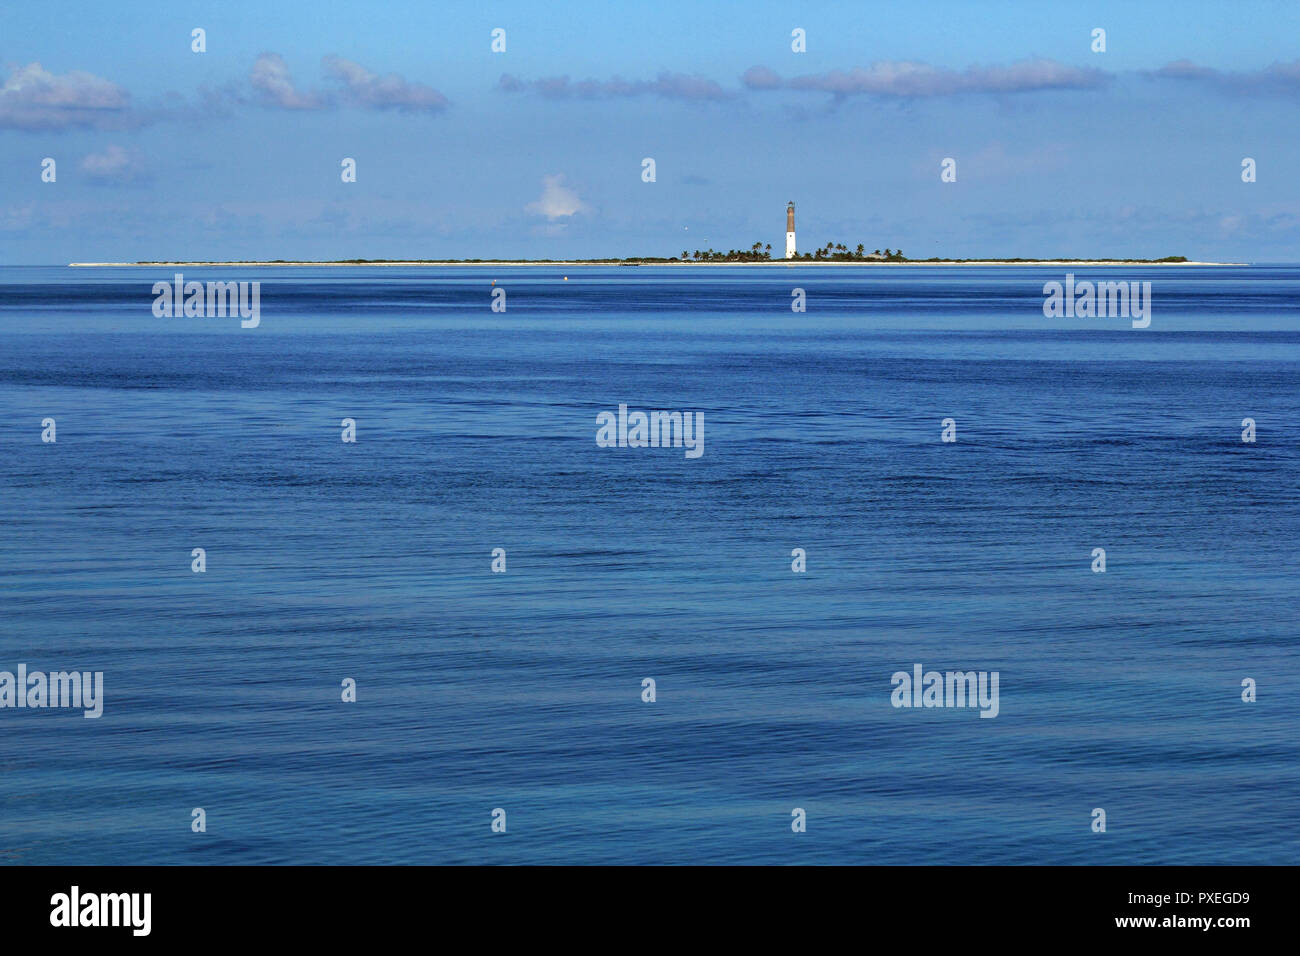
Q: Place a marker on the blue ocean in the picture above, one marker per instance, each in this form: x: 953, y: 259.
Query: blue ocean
x: 372, y: 562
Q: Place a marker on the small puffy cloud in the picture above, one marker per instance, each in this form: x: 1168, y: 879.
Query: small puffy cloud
x: 114, y: 165
x: 270, y: 77
x: 675, y: 86
x: 905, y: 79
x: 558, y: 201
x: 36, y: 99
x: 364, y: 88
x: 359, y: 87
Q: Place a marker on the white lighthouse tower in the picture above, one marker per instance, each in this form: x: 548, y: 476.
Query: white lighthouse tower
x: 789, y: 231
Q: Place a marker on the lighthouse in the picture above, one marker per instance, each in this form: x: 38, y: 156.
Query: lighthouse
x: 789, y: 231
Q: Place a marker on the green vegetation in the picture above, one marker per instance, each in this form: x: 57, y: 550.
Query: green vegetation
x: 831, y: 252
x: 758, y: 252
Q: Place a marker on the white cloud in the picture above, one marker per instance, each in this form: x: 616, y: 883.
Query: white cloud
x: 115, y: 165
x: 34, y: 98
x: 673, y: 86
x: 1281, y: 79
x: 360, y: 88
x: 270, y: 77
x: 383, y: 92
x: 558, y: 201
x: 910, y: 79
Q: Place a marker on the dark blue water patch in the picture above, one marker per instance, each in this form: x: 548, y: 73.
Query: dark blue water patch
x: 523, y: 690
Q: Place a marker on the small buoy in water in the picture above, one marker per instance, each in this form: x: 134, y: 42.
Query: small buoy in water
x: 494, y: 281
x: 566, y: 278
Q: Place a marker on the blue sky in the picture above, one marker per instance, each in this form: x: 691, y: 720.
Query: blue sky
x: 537, y: 151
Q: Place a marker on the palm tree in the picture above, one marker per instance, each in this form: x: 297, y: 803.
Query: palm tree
x: 768, y: 249
x: 876, y: 253
x: 887, y: 252
x: 898, y: 253
x: 860, y: 247
x: 685, y: 254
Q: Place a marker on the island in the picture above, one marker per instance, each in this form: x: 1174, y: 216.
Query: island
x: 835, y: 256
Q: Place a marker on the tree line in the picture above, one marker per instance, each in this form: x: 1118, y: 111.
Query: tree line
x: 762, y: 252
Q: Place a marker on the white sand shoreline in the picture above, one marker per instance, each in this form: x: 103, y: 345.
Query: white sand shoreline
x: 694, y: 265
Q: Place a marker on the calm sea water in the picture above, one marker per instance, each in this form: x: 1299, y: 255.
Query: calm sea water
x: 476, y: 430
